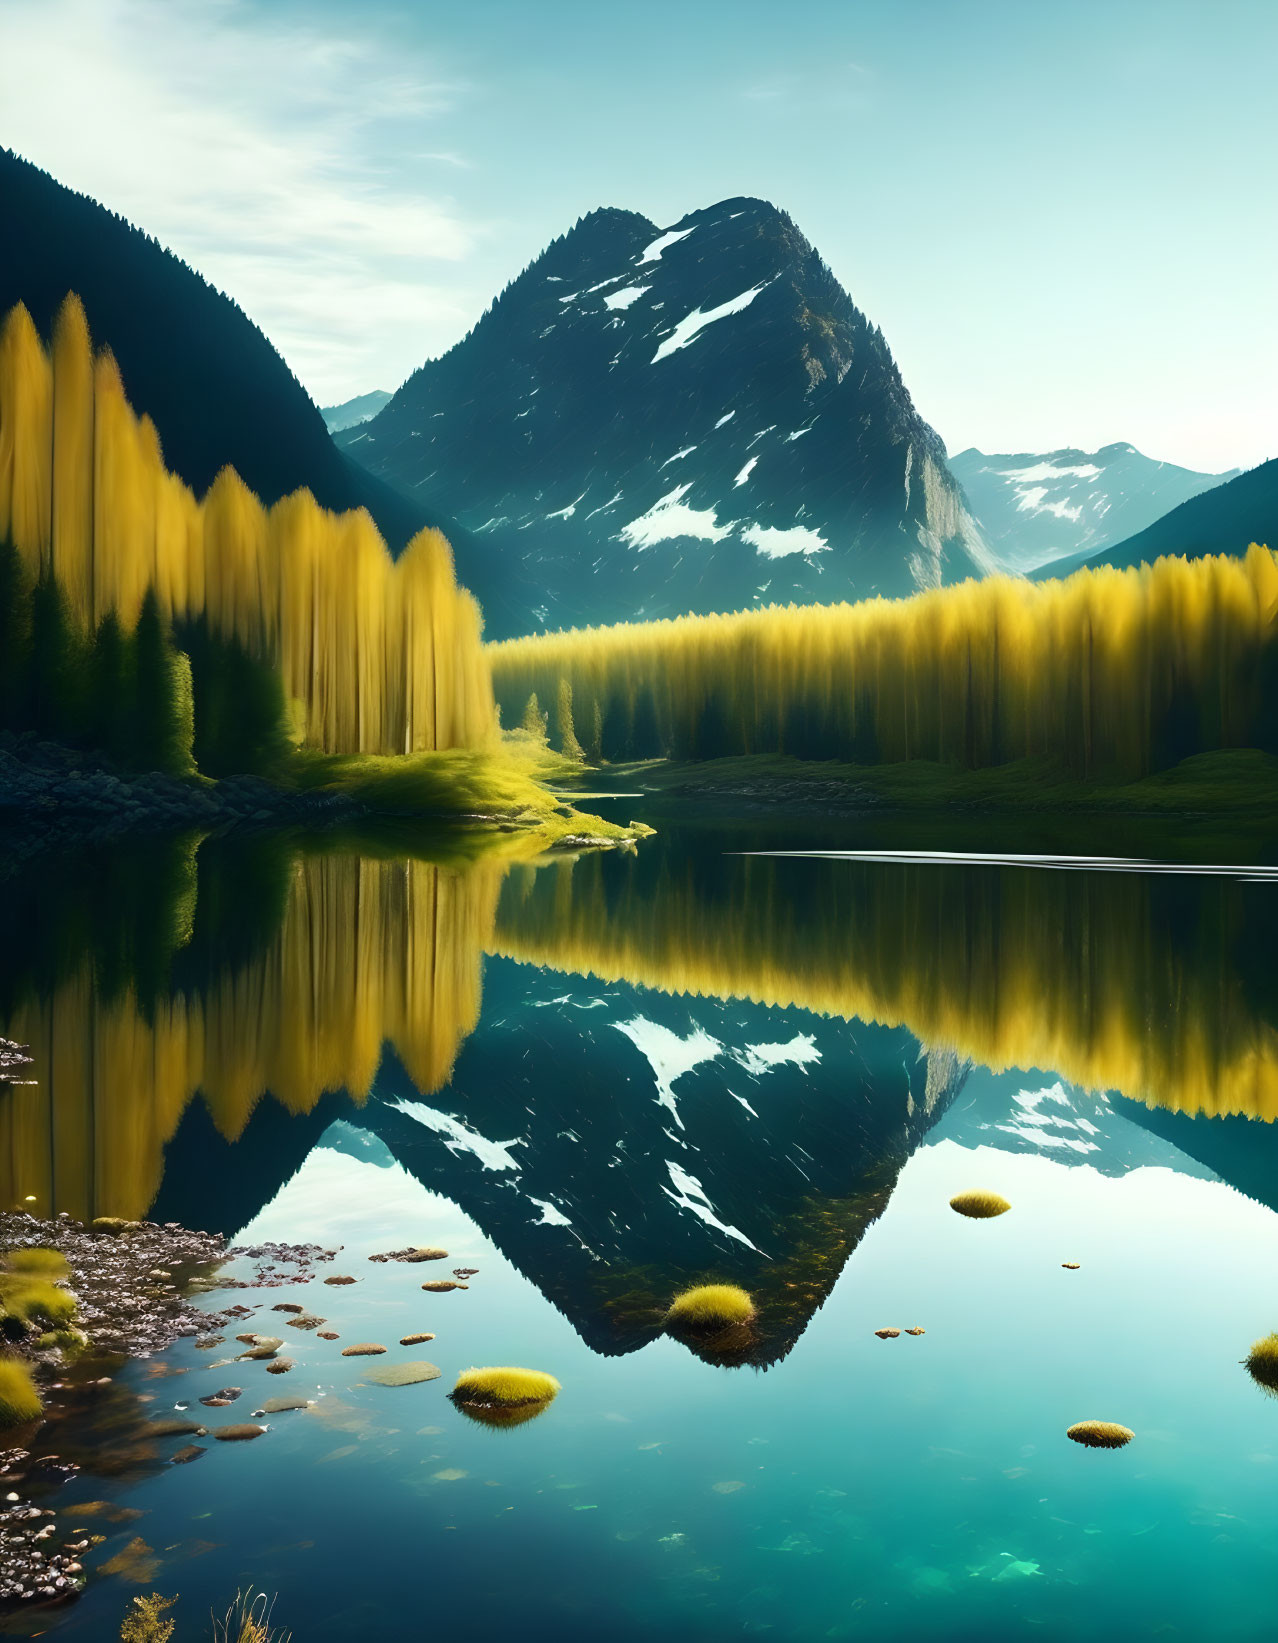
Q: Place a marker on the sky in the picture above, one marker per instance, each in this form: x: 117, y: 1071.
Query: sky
x: 1063, y: 215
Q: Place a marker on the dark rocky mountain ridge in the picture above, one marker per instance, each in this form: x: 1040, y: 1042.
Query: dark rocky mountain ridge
x: 647, y: 423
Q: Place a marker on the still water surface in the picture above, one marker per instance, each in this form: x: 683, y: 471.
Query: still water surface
x: 597, y: 1081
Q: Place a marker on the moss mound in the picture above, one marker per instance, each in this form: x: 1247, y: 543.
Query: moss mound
x: 1262, y: 1363
x: 504, y: 1389
x: 28, y: 1300
x: 1100, y: 1434
x: 710, y: 1306
x: 38, y: 1263
x: 980, y: 1206
x: 19, y: 1400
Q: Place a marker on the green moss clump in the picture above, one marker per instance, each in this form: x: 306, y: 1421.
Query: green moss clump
x: 1262, y: 1363
x: 502, y: 1391
x: 1100, y: 1434
x: 29, y: 1297
x: 27, y: 1301
x: 19, y: 1400
x: 710, y: 1306
x: 39, y: 1263
x: 980, y: 1206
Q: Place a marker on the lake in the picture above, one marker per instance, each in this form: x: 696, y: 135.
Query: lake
x: 596, y: 1081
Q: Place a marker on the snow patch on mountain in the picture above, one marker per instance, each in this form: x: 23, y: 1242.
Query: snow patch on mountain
x: 778, y: 544
x: 671, y: 517
x: 627, y: 295
x: 663, y: 243
x: 691, y: 327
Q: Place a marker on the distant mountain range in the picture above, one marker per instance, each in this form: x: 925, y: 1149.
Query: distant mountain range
x: 354, y: 411
x: 1037, y: 508
x: 656, y: 421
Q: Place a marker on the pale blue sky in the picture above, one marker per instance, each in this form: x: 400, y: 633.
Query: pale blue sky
x: 1062, y: 215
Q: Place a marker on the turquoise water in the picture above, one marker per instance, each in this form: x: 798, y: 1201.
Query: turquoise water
x: 837, y: 1485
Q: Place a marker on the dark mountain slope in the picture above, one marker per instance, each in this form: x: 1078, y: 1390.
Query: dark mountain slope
x: 1225, y: 520
x: 699, y: 419
x: 212, y: 383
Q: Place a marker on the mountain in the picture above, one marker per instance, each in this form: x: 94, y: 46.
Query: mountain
x: 697, y: 418
x: 351, y: 412
x: 698, y: 1139
x: 1225, y: 520
x: 1035, y: 508
x: 190, y: 357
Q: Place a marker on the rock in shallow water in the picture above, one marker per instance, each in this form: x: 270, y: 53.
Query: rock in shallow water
x: 237, y: 1434
x: 415, y: 1340
x: 281, y: 1366
x: 438, y: 1286
x: 279, y: 1406
x: 228, y: 1394
x: 362, y: 1349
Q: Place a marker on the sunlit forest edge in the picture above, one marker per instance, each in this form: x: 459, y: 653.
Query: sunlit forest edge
x: 215, y: 636
x: 1103, y: 679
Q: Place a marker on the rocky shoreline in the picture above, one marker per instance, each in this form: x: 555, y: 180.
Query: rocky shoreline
x: 128, y: 1278
x: 52, y: 793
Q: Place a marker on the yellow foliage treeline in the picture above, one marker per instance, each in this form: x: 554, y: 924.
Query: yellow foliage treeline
x: 1115, y: 981
x: 385, y: 656
x: 1111, y: 671
x: 369, y: 952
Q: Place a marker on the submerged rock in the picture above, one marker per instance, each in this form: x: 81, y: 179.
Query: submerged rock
x: 305, y: 1320
x: 404, y: 1374
x: 185, y: 1455
x: 340, y: 1280
x: 238, y: 1434
x: 280, y: 1406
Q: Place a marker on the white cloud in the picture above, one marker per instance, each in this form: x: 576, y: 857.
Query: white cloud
x: 251, y: 148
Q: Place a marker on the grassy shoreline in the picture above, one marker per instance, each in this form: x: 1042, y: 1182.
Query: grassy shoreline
x: 1239, y: 783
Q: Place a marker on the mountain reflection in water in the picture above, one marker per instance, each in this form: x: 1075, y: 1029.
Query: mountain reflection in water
x: 805, y: 1022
